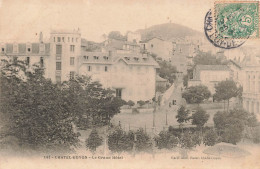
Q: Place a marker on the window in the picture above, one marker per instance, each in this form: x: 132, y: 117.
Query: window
x: 41, y: 62
x: 119, y: 93
x: 72, y: 60
x: 58, y: 65
x: 29, y: 49
x: 53, y: 39
x: 72, y: 74
x: 3, y: 49
x: 89, y: 68
x: 96, y: 57
x: 58, y: 49
x: 71, y: 39
x: 85, y: 57
x: 27, y: 60
x: 63, y: 40
x: 58, y: 39
x: 72, y: 48
x: 68, y: 39
x: 105, y: 68
x: 151, y: 45
x: 58, y: 78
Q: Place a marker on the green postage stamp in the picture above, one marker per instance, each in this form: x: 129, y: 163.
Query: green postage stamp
x: 237, y: 20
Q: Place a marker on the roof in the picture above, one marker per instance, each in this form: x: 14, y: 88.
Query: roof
x: 128, y: 58
x: 235, y: 63
x: 147, y: 40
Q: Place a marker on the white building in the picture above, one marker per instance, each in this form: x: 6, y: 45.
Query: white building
x: 210, y: 75
x: 131, y: 74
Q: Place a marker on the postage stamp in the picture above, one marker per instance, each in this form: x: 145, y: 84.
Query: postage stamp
x: 237, y: 20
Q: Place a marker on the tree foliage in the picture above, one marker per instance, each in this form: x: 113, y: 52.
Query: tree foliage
x: 143, y: 141
x: 225, y: 90
x: 42, y: 115
x: 167, y: 71
x: 210, y: 138
x: 196, y: 94
x: 183, y: 115
x: 230, y: 125
x: 119, y: 141
x: 116, y: 35
x: 207, y: 58
x: 200, y: 117
x: 93, y: 141
x: 166, y: 140
x: 34, y: 111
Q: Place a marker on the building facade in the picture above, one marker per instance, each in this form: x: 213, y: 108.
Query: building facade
x: 210, y: 75
x: 131, y: 74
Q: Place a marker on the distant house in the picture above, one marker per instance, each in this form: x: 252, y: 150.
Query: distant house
x: 158, y: 46
x: 210, y: 75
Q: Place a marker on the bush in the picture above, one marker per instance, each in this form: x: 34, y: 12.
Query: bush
x: 93, y: 141
x: 166, y: 140
x: 119, y: 141
x: 256, y: 134
x: 141, y: 103
x: 130, y: 103
x: 186, y: 140
x: 143, y: 141
x: 200, y: 117
x: 196, y: 138
x: 210, y: 138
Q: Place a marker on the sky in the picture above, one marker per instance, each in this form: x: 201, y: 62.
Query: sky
x: 22, y: 20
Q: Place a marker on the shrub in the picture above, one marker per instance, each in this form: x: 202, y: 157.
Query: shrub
x: 166, y: 140
x: 186, y: 140
x: 141, y: 103
x: 119, y: 141
x: 210, y: 138
x: 143, y: 141
x: 130, y: 103
x: 93, y: 141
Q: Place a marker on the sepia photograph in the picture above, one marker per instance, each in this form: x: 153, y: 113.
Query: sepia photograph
x: 130, y: 84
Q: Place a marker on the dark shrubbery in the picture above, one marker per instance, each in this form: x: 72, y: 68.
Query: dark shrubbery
x: 93, y: 141
x: 210, y: 138
x: 166, y: 140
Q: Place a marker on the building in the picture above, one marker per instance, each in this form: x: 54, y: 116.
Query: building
x: 210, y: 75
x: 124, y: 69
x: 161, y: 48
x: 251, y: 84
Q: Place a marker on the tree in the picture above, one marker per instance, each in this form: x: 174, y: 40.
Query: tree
x: 167, y: 71
x: 210, y: 138
x: 166, y: 140
x: 182, y: 116
x: 206, y: 58
x: 93, y: 141
x: 116, y: 35
x: 185, y: 80
x: 196, y: 94
x: 230, y: 125
x: 35, y: 112
x: 225, y: 90
x: 200, y: 118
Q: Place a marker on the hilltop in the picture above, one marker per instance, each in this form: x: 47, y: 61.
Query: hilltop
x: 168, y: 31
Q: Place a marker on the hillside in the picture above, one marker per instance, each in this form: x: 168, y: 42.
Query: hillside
x: 168, y: 31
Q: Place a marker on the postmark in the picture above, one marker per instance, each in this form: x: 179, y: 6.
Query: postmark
x: 212, y: 34
x: 237, y: 20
